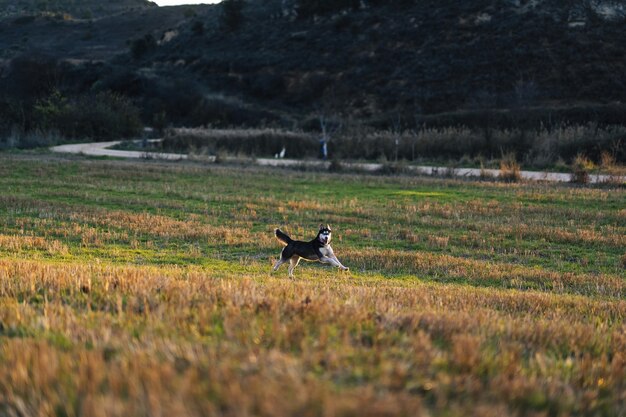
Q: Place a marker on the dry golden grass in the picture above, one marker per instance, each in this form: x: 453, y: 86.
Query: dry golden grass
x: 147, y: 292
x: 146, y: 340
x: 21, y: 243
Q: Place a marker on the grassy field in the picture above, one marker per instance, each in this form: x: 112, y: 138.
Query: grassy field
x: 143, y: 289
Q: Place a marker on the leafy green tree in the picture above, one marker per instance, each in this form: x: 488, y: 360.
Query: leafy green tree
x: 50, y: 109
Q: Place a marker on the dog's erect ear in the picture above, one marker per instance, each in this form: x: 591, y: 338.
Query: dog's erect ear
x: 321, y: 226
x: 328, y: 227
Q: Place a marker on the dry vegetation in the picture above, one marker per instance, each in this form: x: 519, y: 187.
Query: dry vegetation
x: 146, y: 291
x: 557, y: 147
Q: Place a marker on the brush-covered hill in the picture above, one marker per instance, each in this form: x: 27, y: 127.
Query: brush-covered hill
x: 83, y: 30
x: 85, y: 9
x: 281, y: 61
x: 406, y: 56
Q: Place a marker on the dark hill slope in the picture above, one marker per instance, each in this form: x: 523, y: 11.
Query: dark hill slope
x: 407, y: 57
x: 86, y: 9
x: 432, y: 56
x: 92, y: 39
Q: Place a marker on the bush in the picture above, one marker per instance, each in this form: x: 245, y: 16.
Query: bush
x: 232, y: 14
x: 253, y: 142
x: 581, y: 168
x: 308, y: 8
x: 614, y: 173
x: 140, y: 47
x: 539, y: 148
x: 101, y: 116
x: 32, y: 76
x: 335, y: 166
x: 188, y: 103
x: 18, y: 138
x: 393, y: 168
x: 567, y: 142
x: 509, y: 168
x: 428, y: 143
x: 485, y: 175
x: 197, y: 28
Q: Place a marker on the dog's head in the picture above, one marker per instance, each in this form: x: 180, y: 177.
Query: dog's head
x: 325, y: 234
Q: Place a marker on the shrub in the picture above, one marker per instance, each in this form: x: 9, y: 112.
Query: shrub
x: 485, y: 175
x: 540, y: 148
x: 509, y: 168
x: 10, y: 138
x: 567, y: 142
x: 335, y: 166
x: 254, y: 142
x: 32, y: 76
x: 140, y: 47
x: 232, y: 14
x: 197, y: 28
x: 307, y: 8
x: 393, y: 168
x: 452, y: 142
x: 50, y: 109
x: 29, y: 139
x: 581, y: 168
x: 104, y: 115
x: 159, y: 122
x: 189, y: 13
x: 608, y: 166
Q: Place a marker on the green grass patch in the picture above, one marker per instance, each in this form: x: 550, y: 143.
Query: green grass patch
x: 122, y: 281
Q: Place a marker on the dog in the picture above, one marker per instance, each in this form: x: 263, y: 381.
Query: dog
x: 317, y: 249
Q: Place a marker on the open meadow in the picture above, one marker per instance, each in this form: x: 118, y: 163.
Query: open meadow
x: 144, y: 289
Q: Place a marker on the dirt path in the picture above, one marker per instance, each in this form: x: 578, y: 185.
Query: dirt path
x: 102, y: 149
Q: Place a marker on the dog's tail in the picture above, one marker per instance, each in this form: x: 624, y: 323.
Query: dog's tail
x: 283, y: 237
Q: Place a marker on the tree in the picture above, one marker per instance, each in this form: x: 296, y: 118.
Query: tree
x: 139, y: 47
x: 329, y: 118
x: 197, y: 28
x: 103, y: 115
x: 232, y: 14
x: 307, y: 8
x: 396, y: 129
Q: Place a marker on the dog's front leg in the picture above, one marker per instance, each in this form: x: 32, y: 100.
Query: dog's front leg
x: 334, y: 261
x: 341, y: 266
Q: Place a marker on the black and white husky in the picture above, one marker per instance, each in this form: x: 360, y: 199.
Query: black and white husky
x: 317, y: 249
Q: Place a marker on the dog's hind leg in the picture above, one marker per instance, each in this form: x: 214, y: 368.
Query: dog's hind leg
x: 293, y: 262
x: 279, y: 263
x: 285, y: 255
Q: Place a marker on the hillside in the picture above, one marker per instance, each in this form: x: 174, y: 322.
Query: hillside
x: 420, y: 56
x: 443, y: 62
x: 65, y: 38
x: 85, y: 9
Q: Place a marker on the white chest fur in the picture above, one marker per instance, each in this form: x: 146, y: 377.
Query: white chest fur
x: 326, y: 251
